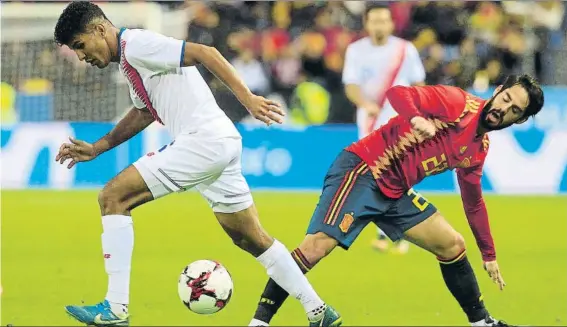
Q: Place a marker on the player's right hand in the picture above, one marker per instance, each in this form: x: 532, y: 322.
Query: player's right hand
x: 423, y: 127
x: 265, y: 110
x: 493, y: 271
x: 76, y: 151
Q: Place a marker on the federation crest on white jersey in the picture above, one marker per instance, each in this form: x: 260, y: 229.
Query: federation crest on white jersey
x: 205, y: 286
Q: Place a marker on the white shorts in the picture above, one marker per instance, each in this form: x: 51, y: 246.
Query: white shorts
x: 211, y: 165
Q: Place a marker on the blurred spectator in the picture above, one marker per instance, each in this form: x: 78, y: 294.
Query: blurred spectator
x: 401, y: 14
x: 468, y: 62
x: 312, y: 45
x: 434, y: 64
x: 204, y: 24
x: 375, y: 63
x: 486, y: 21
x: 286, y: 71
x: 277, y: 37
x: 446, y: 18
x: 252, y: 72
x: 339, y: 15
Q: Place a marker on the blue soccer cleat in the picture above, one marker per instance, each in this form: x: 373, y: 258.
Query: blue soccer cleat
x: 97, y: 315
x: 330, y: 318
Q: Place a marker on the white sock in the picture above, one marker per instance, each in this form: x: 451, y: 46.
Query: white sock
x: 118, y: 309
x: 256, y: 322
x: 117, y: 246
x: 284, y: 271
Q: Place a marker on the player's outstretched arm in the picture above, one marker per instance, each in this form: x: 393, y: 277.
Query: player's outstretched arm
x: 261, y: 108
x: 477, y: 216
x: 134, y: 122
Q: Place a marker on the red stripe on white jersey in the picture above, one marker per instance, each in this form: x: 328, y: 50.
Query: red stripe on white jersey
x: 391, y: 76
x: 137, y: 83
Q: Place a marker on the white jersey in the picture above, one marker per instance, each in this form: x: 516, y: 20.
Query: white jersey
x: 178, y: 97
x: 376, y: 68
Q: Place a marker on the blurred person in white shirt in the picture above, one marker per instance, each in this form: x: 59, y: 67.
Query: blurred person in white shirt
x: 374, y: 64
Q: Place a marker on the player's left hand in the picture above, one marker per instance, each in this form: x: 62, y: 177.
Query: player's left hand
x: 493, y: 271
x: 265, y: 110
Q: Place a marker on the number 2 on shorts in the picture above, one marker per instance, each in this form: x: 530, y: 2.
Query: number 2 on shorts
x: 416, y: 197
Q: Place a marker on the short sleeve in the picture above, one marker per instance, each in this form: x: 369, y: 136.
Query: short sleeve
x: 350, y: 71
x: 416, y: 69
x: 154, y: 51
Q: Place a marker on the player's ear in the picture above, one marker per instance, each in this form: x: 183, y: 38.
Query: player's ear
x: 497, y: 90
x: 522, y: 120
x: 100, y: 29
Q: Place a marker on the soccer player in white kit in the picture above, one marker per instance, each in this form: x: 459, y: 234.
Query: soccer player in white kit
x: 167, y: 88
x: 373, y: 65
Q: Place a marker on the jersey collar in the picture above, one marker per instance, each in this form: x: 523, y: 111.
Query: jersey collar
x: 119, y: 36
x: 477, y: 120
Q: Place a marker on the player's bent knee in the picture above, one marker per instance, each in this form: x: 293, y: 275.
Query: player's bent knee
x: 109, y: 202
x: 254, y: 241
x: 245, y: 230
x: 116, y: 201
x: 255, y: 245
x: 317, y: 246
x: 452, y: 248
x: 123, y: 193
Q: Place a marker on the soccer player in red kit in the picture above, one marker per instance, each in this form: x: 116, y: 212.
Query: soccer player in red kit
x: 439, y: 128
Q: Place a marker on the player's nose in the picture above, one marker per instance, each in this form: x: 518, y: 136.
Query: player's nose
x: 80, y: 55
x: 501, y: 111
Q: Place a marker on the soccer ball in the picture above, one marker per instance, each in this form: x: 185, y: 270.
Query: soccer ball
x: 205, y: 287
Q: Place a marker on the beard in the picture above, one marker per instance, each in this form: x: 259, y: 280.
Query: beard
x: 486, y: 110
x: 379, y: 36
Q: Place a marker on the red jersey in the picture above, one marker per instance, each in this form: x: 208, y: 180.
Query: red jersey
x: 399, y: 158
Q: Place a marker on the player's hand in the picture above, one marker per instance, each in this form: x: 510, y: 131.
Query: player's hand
x: 76, y: 151
x: 493, y: 271
x: 265, y: 110
x: 371, y: 108
x: 423, y: 127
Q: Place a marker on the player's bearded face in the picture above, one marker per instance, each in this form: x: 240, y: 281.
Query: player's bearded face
x: 92, y: 48
x: 505, y: 108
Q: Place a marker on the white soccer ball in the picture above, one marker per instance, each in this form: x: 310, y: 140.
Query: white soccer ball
x: 205, y: 287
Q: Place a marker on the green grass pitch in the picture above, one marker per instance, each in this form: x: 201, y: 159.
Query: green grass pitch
x: 51, y: 256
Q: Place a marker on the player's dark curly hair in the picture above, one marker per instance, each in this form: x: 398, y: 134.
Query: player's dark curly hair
x: 535, y: 93
x: 74, y: 20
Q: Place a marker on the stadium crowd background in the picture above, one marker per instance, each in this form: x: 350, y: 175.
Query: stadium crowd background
x: 294, y: 52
